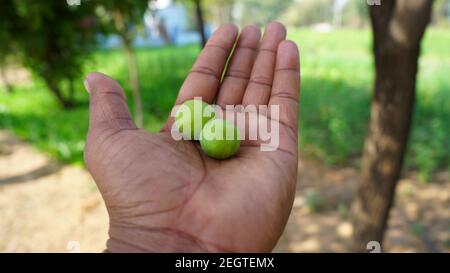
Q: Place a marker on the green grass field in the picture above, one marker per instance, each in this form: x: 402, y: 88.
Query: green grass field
x: 337, y: 76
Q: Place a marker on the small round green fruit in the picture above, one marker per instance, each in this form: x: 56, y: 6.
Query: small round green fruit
x: 192, y: 116
x: 220, y: 139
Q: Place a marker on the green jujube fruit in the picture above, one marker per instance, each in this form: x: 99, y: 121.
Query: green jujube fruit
x: 192, y: 116
x: 220, y: 139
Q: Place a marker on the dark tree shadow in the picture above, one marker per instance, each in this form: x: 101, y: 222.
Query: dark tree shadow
x: 31, y: 175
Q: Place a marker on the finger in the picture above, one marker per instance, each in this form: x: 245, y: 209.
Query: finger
x: 260, y: 84
x: 238, y: 72
x: 107, y: 105
x: 286, y: 84
x: 203, y: 80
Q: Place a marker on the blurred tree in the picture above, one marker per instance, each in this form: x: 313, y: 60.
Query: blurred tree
x: 51, y: 40
x: 197, y: 8
x: 308, y: 12
x: 355, y: 14
x: 348, y: 13
x: 219, y: 12
x: 159, y: 22
x: 7, y: 18
x: 123, y: 17
x: 260, y: 12
x: 200, y: 21
x: 441, y: 12
x: 398, y: 27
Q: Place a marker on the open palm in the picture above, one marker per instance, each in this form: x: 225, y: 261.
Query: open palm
x: 166, y: 195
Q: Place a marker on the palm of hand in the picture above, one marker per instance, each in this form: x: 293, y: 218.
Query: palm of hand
x: 178, y: 198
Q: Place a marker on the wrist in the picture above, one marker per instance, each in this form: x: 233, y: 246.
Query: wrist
x: 131, y: 239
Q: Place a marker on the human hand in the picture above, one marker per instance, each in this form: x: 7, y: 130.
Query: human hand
x: 164, y: 195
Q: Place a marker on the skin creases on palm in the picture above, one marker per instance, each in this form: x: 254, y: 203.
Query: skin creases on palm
x: 167, y: 195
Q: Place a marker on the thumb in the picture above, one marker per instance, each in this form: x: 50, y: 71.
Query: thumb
x: 108, y: 110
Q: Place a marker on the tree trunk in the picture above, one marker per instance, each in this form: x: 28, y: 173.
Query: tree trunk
x: 126, y: 37
x: 398, y: 27
x: 200, y: 22
x: 163, y: 32
x: 71, y: 90
x: 56, y: 91
x: 134, y: 80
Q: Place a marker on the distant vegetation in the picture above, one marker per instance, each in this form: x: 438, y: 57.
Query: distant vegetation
x: 336, y: 90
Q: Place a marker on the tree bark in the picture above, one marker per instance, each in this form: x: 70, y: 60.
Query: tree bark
x: 57, y: 92
x: 398, y: 27
x: 126, y: 37
x: 200, y: 22
x: 71, y: 90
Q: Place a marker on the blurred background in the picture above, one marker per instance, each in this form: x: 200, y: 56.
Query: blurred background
x: 48, y: 201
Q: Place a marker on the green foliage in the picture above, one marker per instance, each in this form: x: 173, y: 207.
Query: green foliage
x: 33, y: 115
x: 51, y: 39
x: 308, y: 12
x: 335, y: 97
x: 337, y: 78
x: 441, y: 12
x: 7, y: 20
x: 430, y: 141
